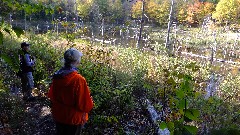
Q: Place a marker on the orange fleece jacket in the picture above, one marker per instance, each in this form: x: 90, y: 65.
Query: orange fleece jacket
x: 70, y: 98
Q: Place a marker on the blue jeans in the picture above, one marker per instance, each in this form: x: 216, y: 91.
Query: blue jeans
x: 27, y: 84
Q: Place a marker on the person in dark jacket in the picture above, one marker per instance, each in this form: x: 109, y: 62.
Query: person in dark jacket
x: 70, y: 96
x: 26, y: 66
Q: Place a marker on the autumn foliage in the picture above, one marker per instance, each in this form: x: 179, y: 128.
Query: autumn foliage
x: 197, y: 11
x: 136, y: 9
x: 227, y: 11
x: 157, y: 11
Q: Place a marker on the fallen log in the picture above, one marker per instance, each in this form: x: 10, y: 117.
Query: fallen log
x: 209, y: 58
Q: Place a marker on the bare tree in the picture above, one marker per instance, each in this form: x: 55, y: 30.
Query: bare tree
x: 76, y: 10
x: 167, y: 44
x: 141, y: 24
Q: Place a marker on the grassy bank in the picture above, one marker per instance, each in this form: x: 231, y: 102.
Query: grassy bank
x: 119, y: 76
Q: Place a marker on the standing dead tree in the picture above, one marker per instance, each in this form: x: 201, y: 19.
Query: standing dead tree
x: 167, y: 43
x: 141, y: 24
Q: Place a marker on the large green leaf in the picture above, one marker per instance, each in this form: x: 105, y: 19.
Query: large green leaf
x: 180, y: 94
x: 52, y: 11
x: 170, y: 126
x: 163, y: 125
x: 182, y: 104
x: 192, y: 114
x: 47, y: 11
x: 191, y: 129
x: 184, y: 86
x: 18, y: 31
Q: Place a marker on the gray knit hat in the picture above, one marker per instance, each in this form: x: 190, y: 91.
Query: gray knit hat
x: 72, y: 55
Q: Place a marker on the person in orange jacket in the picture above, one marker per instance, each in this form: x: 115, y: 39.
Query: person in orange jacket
x: 70, y: 96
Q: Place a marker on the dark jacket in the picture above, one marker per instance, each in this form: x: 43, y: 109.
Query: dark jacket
x: 26, y: 62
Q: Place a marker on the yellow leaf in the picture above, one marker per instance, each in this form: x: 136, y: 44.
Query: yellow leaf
x: 235, y: 71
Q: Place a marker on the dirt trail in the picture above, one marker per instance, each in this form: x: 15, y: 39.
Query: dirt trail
x: 33, y: 118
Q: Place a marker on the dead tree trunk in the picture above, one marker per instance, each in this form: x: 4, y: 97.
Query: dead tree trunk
x: 141, y: 25
x: 167, y: 44
x: 102, y: 31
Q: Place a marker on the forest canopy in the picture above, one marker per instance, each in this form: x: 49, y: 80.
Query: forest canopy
x: 190, y: 12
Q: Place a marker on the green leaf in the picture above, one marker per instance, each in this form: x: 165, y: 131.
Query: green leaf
x: 10, y: 4
x: 47, y: 11
x: 187, y: 77
x: 147, y: 86
x: 34, y: 9
x: 191, y: 129
x: 17, y: 6
x: 181, y: 111
x: 180, y: 75
x: 183, y: 86
x: 186, y: 84
x: 18, y: 31
x: 210, y: 100
x: 51, y: 12
x: 192, y: 114
x: 180, y: 94
x: 1, y: 38
x: 28, y: 9
x: 182, y: 104
x: 170, y: 126
x: 186, y: 119
x: 163, y: 125
x: 197, y: 94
